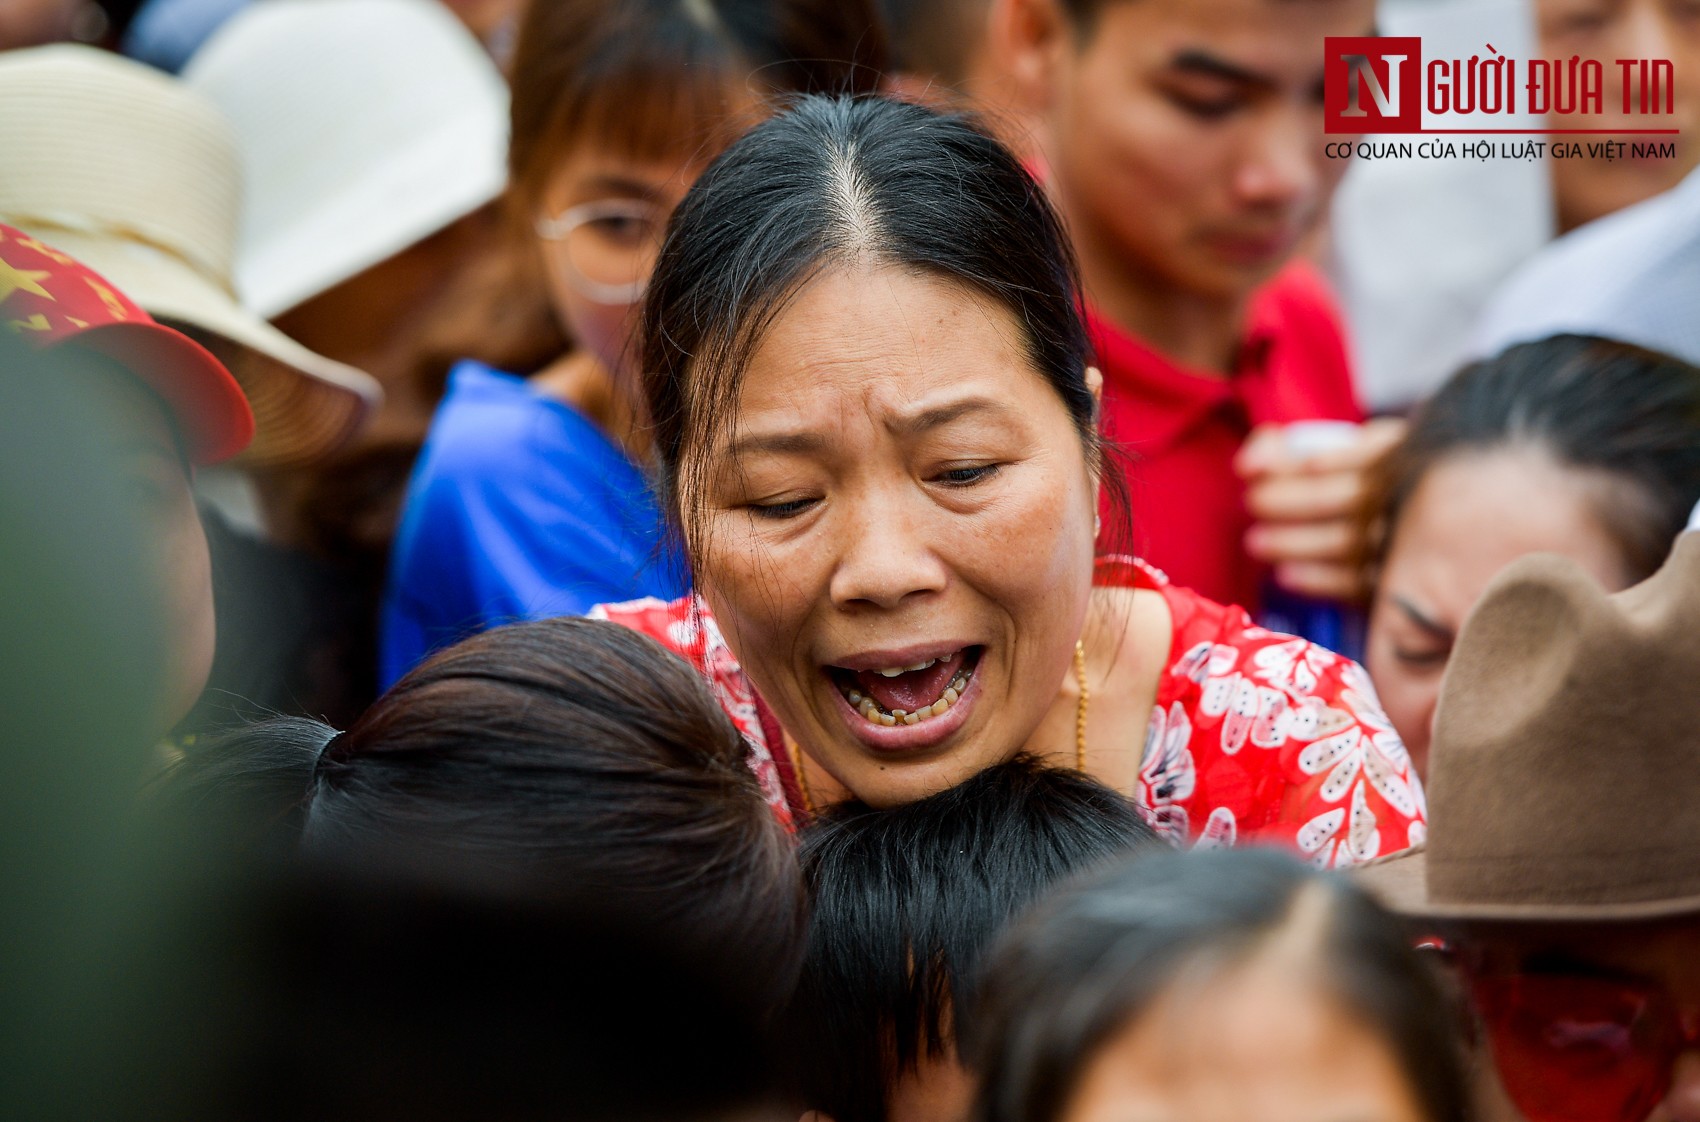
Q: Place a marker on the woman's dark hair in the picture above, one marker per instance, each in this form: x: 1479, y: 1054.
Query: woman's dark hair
x: 1631, y: 415
x: 839, y: 181
x: 1091, y: 961
x: 659, y: 78
x: 564, y: 756
x: 906, y: 899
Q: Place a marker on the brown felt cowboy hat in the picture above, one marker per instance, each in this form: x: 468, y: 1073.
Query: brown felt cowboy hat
x: 1564, y: 778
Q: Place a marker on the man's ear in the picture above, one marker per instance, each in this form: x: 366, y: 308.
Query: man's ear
x: 1030, y: 38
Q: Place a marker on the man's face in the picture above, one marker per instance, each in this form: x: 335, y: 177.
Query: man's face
x: 1185, y: 137
x: 1609, y: 1011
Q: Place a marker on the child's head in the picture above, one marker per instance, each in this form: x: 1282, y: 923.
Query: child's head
x: 1230, y: 984
x: 904, y: 903
x: 169, y: 404
x: 1184, y: 137
x: 619, y: 104
x: 565, y: 757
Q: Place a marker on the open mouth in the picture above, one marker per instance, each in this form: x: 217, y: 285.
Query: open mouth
x: 907, y: 695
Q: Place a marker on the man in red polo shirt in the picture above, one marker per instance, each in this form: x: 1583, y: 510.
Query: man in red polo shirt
x: 1183, y: 142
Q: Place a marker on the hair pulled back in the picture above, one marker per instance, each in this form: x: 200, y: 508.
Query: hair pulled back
x: 660, y: 78
x: 563, y: 756
x: 1592, y: 404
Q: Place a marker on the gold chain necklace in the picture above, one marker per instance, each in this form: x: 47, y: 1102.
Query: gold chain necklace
x: 1080, y: 706
x: 795, y: 754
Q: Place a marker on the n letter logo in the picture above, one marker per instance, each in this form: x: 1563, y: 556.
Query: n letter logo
x: 1373, y: 85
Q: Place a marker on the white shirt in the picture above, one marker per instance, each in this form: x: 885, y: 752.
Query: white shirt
x: 1633, y: 276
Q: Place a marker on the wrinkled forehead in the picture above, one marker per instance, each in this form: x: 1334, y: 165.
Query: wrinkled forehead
x: 886, y: 345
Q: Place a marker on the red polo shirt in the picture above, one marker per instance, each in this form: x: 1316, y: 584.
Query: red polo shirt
x: 1179, y: 428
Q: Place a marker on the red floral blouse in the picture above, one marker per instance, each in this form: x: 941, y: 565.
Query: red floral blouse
x: 1255, y: 736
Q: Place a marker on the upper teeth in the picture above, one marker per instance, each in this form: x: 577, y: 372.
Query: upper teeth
x: 894, y: 671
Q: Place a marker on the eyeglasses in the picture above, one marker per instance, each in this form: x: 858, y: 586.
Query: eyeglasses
x: 609, y: 247
x: 1574, y: 1048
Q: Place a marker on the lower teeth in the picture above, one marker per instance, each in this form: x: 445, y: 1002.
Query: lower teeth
x: 871, y: 711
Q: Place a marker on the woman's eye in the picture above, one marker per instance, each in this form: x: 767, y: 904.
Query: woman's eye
x: 1423, y: 659
x: 624, y: 229
x: 787, y: 508
x: 964, y: 476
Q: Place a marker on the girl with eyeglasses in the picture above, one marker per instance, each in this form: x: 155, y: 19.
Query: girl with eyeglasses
x: 532, y: 496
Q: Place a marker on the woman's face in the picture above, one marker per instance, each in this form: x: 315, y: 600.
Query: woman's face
x: 1469, y: 517
x: 1259, y: 1041
x: 898, y: 520
x: 604, y: 217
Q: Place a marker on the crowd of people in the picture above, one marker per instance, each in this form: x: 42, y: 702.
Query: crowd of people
x: 758, y: 559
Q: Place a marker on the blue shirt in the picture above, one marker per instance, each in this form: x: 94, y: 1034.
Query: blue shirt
x: 519, y: 508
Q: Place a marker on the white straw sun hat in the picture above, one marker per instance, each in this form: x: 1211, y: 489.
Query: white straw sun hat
x: 125, y: 170
x: 365, y: 126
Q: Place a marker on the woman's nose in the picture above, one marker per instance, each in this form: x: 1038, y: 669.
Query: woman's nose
x: 887, y: 557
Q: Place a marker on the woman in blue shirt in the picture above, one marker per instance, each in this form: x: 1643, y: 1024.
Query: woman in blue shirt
x: 530, y: 498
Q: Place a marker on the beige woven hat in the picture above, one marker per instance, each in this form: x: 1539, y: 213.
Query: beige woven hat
x: 130, y: 173
x: 1564, y: 777
x: 365, y: 126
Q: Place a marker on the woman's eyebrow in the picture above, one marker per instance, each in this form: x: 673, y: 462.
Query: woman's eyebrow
x: 619, y: 185
x: 781, y: 443
x: 806, y: 443
x: 1417, y: 616
x: 934, y: 416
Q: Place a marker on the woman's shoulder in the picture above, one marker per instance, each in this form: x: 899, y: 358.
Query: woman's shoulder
x: 493, y: 423
x: 668, y: 622
x: 1262, y: 735
x: 687, y: 628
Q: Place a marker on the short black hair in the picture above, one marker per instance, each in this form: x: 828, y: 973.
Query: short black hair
x: 906, y: 899
x: 1093, y: 959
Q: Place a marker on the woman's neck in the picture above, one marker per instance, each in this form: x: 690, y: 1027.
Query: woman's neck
x: 578, y: 379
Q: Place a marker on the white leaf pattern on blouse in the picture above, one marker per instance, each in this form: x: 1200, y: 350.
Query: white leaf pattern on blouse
x: 1339, y: 780
x: 1326, y: 752
x: 1320, y: 829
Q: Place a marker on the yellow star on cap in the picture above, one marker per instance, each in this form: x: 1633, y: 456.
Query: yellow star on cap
x: 21, y: 280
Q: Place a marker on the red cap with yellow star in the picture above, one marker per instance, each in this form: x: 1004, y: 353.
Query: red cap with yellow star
x: 51, y: 300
